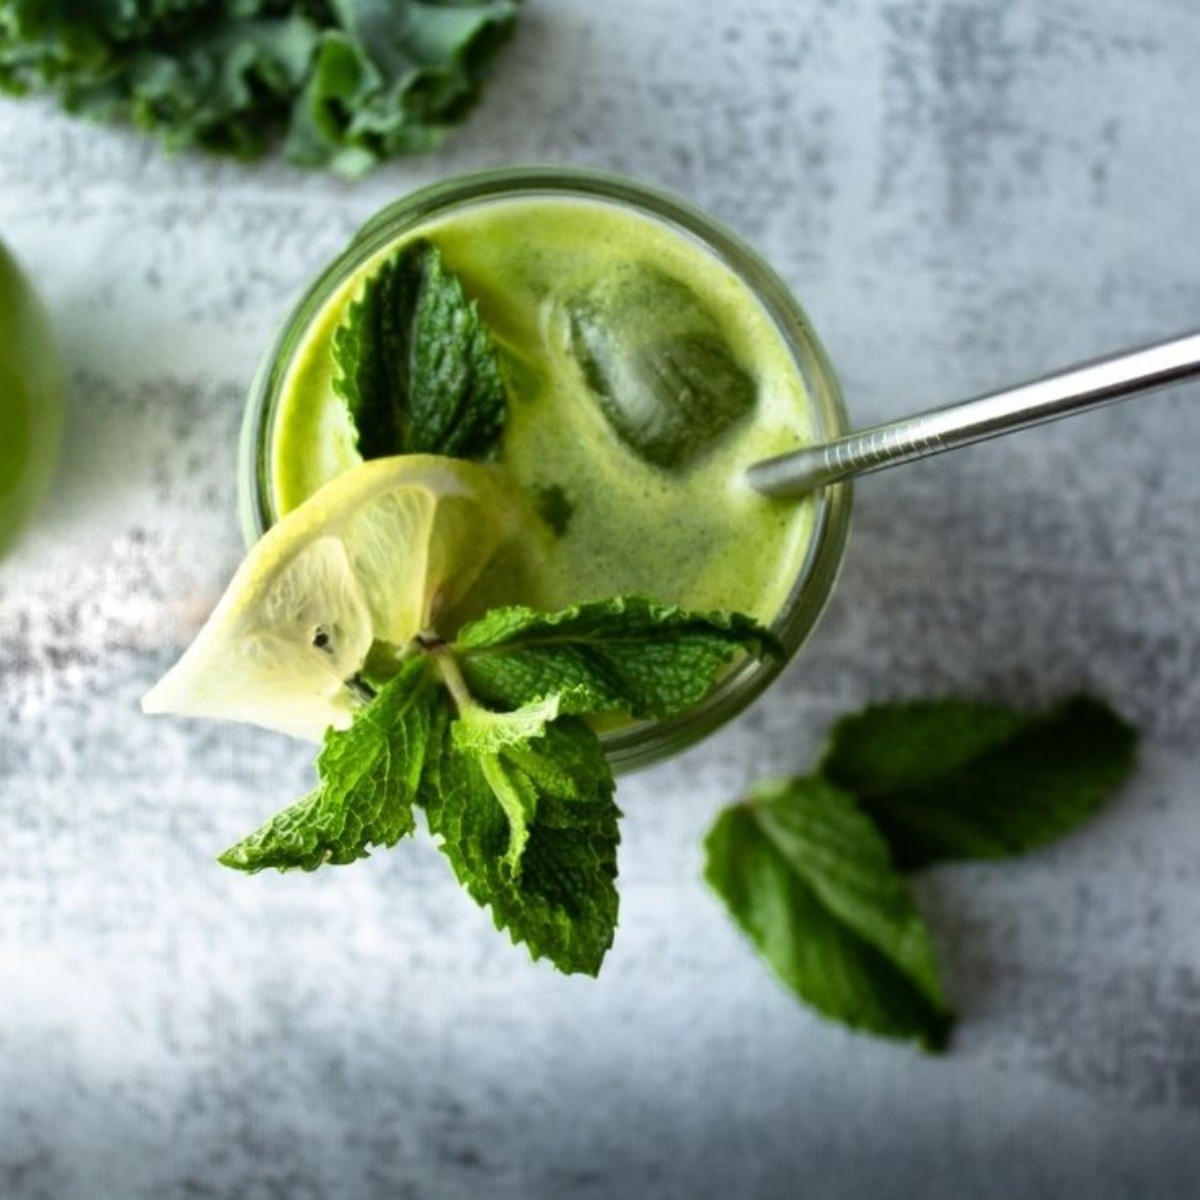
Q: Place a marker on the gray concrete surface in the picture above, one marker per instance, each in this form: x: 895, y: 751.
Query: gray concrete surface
x: 963, y: 194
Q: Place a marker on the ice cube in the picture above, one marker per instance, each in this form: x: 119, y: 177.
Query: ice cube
x: 654, y: 359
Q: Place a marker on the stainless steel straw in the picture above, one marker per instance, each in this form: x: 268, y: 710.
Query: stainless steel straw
x: 1077, y: 389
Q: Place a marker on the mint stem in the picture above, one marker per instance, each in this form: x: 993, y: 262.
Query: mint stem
x: 452, y: 677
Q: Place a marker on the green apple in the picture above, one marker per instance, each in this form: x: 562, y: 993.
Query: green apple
x: 32, y: 392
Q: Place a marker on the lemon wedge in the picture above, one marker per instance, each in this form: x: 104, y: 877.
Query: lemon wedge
x: 375, y: 555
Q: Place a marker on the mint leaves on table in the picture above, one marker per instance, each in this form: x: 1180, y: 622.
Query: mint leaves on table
x: 954, y: 780
x: 343, y: 84
x: 813, y: 868
x: 809, y: 878
x: 512, y: 781
x: 415, y: 364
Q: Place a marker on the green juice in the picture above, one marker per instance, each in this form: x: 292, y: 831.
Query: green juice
x: 684, y: 529
x: 31, y: 400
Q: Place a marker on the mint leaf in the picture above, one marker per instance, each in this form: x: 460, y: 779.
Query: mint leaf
x: 369, y: 779
x: 343, y: 83
x: 628, y: 654
x: 501, y: 744
x: 951, y: 779
x: 562, y: 903
x: 809, y: 879
x: 416, y: 366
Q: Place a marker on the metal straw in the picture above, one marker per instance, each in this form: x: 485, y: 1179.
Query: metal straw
x: 1078, y: 388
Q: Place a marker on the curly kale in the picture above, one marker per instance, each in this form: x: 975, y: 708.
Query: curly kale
x: 342, y: 84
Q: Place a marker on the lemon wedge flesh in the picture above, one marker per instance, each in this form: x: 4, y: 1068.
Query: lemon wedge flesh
x: 375, y: 555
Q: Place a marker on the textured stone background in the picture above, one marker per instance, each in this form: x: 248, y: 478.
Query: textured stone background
x: 963, y: 194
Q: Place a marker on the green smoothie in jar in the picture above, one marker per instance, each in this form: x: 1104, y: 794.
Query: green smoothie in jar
x: 648, y: 359
x: 629, y: 514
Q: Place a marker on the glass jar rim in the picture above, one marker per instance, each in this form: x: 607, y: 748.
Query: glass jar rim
x: 643, y: 742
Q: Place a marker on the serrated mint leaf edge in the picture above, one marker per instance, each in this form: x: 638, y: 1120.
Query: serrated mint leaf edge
x: 595, y: 680
x: 413, y: 686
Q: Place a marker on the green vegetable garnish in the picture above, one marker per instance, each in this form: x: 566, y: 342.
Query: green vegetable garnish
x: 953, y: 780
x: 415, y: 364
x: 560, y: 899
x: 806, y: 874
x: 343, y: 84
x: 811, y: 867
x: 627, y: 655
x: 518, y: 789
x: 369, y: 775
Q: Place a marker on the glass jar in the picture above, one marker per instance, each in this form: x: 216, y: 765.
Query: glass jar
x: 32, y: 399
x: 644, y: 742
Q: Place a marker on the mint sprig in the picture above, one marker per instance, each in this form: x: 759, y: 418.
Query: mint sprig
x: 417, y: 368
x: 812, y: 868
x: 512, y: 781
x: 485, y: 734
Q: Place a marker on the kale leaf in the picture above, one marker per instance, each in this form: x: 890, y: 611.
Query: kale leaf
x: 343, y: 84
